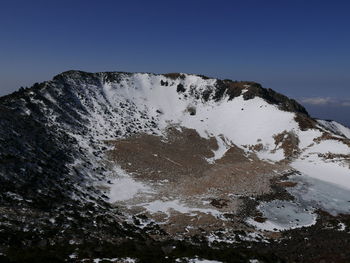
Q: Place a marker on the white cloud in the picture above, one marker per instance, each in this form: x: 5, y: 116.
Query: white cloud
x: 316, y: 101
x: 345, y: 104
x: 325, y: 101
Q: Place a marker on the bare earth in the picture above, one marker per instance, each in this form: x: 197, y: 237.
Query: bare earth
x: 176, y: 168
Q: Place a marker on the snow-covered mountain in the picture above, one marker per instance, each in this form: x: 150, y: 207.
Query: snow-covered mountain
x: 173, y: 159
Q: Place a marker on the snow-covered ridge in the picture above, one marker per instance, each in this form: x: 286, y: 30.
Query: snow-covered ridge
x: 336, y: 128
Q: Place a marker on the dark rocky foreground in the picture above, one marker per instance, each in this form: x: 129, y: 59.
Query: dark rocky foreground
x: 323, y: 242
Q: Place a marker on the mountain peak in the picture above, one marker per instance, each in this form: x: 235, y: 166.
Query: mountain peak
x: 225, y: 87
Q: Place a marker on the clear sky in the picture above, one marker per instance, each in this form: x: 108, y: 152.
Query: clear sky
x: 299, y: 48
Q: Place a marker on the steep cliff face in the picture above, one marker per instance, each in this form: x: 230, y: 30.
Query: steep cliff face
x: 105, y: 157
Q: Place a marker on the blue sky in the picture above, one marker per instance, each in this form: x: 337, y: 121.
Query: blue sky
x: 299, y: 48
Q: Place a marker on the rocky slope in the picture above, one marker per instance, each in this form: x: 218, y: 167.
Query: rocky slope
x: 159, y: 168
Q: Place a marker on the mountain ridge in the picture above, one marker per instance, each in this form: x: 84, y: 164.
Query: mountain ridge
x: 223, y: 86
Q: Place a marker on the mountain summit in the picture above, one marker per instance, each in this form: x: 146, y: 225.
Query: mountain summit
x: 169, y: 168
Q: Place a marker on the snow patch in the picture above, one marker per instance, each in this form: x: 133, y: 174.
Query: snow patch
x: 175, y: 205
x: 341, y: 227
x: 223, y: 147
x: 329, y: 146
x: 283, y: 215
x: 196, y: 260
x: 333, y: 172
x: 124, y: 187
x: 317, y: 194
x: 122, y: 260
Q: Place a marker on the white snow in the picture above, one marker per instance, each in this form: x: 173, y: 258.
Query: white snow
x: 124, y: 187
x: 72, y: 256
x: 122, y: 260
x: 269, y: 225
x: 175, y: 205
x: 268, y: 155
x: 226, y: 236
x: 197, y: 260
x: 283, y: 215
x: 203, y: 261
x: 341, y: 226
x: 242, y: 127
x: 327, y: 146
x: 336, y: 127
x: 223, y: 146
x: 332, y: 172
x: 306, y: 138
x: 313, y: 193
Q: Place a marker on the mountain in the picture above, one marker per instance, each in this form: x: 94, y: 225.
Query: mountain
x: 141, y: 167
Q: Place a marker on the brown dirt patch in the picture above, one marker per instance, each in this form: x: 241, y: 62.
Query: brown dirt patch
x: 156, y: 158
x: 287, y: 184
x: 327, y: 136
x: 177, y: 168
x: 289, y: 142
x: 260, y: 219
x: 305, y: 122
